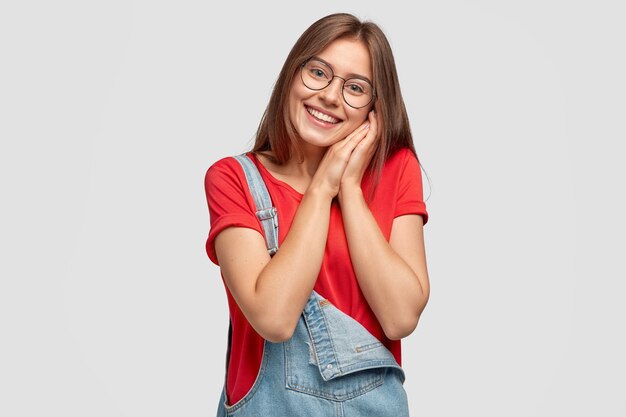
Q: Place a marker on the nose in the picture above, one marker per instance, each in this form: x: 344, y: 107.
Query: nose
x: 332, y: 94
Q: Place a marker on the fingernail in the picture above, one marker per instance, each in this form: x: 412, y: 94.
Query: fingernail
x: 367, y: 126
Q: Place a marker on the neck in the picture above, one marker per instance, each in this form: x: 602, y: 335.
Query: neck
x: 312, y: 156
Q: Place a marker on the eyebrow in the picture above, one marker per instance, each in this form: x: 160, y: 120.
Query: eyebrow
x: 351, y: 75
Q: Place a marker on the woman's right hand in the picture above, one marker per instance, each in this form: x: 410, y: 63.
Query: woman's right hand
x: 332, y: 166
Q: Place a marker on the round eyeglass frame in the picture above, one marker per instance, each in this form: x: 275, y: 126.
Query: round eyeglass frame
x: 372, y: 98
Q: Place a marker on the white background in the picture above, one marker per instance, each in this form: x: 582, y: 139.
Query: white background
x: 111, y: 112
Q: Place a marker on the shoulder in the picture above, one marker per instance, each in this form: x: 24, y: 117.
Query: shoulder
x: 399, y: 162
x: 224, y: 170
x: 401, y: 157
x: 226, y: 164
x: 401, y: 173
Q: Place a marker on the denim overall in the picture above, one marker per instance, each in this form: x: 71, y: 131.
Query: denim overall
x: 331, y: 366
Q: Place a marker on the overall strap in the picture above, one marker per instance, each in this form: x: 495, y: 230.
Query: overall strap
x: 267, y: 215
x: 266, y: 212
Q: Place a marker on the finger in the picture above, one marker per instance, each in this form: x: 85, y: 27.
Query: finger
x: 372, y: 117
x: 367, y: 145
x: 372, y: 132
x: 360, y: 132
x: 344, y: 148
x: 355, y: 137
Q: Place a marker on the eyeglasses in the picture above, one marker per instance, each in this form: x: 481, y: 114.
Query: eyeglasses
x: 317, y: 75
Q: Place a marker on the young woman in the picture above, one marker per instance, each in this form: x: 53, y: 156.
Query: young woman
x: 316, y: 325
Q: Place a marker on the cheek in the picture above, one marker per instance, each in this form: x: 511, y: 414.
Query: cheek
x: 296, y: 95
x: 293, y: 105
x: 298, y: 91
x: 356, y: 118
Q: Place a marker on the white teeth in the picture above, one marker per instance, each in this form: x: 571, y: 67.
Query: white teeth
x: 322, y: 116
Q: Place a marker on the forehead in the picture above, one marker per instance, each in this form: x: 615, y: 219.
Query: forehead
x: 348, y: 56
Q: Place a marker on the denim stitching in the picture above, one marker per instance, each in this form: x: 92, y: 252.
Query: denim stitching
x: 378, y: 381
x: 365, y: 348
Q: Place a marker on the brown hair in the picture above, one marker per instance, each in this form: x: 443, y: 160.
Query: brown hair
x: 276, y: 133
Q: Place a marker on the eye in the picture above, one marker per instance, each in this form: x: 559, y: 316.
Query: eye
x: 357, y: 87
x: 317, y: 72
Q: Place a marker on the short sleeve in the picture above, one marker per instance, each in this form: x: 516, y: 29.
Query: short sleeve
x: 410, y: 194
x: 229, y: 200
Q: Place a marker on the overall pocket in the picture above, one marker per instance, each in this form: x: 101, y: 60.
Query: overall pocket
x: 302, y: 372
x: 333, y: 356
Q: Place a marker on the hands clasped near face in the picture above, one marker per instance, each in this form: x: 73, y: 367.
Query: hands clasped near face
x: 345, y: 162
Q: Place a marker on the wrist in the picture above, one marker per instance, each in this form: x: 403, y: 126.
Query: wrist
x: 349, y: 192
x: 318, y: 194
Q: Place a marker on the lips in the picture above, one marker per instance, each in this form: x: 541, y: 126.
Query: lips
x: 324, y: 117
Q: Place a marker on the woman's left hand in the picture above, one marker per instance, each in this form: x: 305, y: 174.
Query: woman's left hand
x: 361, y: 156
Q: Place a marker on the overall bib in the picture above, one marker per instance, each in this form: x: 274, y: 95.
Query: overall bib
x: 331, y: 366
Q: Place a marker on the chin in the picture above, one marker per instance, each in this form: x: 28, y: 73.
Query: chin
x: 320, y: 140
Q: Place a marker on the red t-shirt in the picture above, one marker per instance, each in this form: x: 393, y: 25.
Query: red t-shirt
x: 230, y: 204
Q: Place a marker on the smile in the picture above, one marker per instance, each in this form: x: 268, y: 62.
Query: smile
x: 322, y: 116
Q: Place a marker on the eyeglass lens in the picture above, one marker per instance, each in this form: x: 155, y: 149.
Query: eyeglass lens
x: 317, y: 75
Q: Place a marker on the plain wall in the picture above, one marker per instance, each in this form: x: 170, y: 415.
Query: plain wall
x: 111, y: 112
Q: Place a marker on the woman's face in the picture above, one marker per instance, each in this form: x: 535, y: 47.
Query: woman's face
x: 322, y: 117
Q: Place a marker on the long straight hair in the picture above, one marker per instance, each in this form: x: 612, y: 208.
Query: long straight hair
x: 277, y: 133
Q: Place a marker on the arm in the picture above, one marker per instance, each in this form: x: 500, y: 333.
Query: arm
x: 392, y: 275
x: 272, y: 292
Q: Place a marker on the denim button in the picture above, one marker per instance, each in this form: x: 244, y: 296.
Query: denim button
x: 329, y: 366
